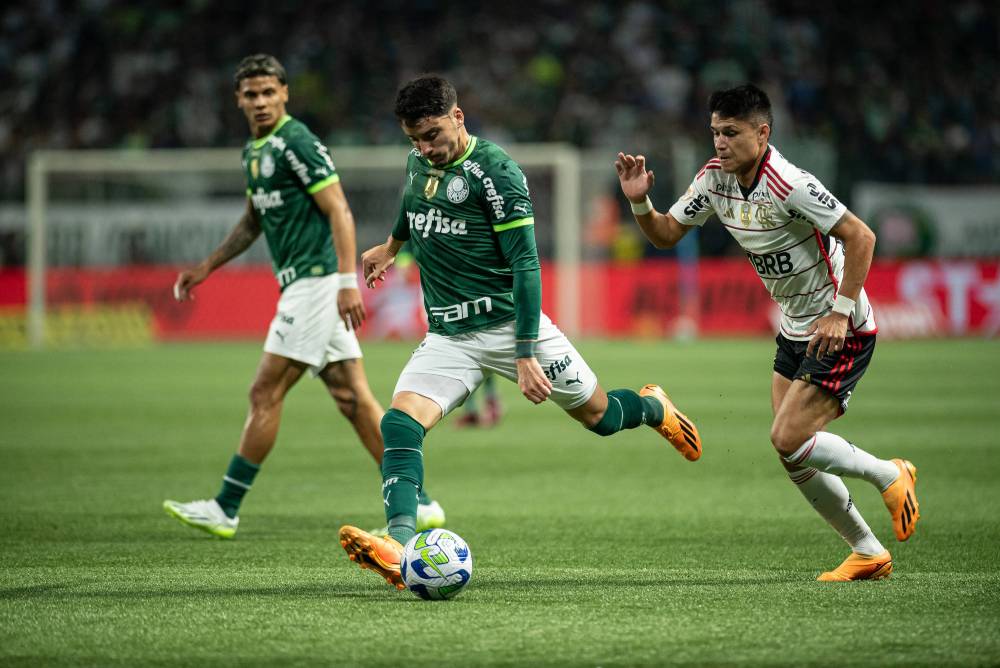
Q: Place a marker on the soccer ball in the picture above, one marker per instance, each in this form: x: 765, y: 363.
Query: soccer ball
x: 436, y: 564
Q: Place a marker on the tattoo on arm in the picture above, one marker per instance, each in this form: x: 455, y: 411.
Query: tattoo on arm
x: 238, y: 240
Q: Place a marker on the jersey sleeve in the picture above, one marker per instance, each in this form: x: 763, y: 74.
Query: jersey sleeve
x: 309, y: 159
x: 505, y: 197
x: 694, y: 207
x: 401, y: 228
x: 812, y: 200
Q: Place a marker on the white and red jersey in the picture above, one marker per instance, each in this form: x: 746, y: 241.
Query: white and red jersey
x: 783, y: 223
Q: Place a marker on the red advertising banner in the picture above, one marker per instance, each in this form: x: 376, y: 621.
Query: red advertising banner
x: 655, y: 298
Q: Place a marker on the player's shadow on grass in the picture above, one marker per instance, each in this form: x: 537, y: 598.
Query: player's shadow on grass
x: 68, y: 590
x: 562, y: 582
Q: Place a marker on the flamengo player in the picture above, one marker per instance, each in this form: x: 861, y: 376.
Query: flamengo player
x: 813, y: 255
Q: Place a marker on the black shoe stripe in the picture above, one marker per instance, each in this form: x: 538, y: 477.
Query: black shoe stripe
x: 680, y: 418
x: 906, y: 516
x: 688, y: 431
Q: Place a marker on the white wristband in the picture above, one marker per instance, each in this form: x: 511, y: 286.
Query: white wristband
x: 347, y: 281
x: 843, y: 305
x: 642, y: 208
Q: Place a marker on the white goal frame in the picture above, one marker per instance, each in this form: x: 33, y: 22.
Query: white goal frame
x: 563, y: 159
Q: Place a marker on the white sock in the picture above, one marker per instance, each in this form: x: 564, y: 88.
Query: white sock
x: 832, y: 454
x: 829, y: 496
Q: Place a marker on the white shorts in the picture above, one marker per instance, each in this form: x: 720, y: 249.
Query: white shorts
x: 440, y: 361
x: 308, y: 327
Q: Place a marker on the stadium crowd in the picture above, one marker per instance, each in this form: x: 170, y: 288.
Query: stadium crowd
x: 908, y: 94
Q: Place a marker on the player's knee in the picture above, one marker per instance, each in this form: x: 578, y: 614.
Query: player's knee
x: 262, y: 396
x: 785, y: 438
x: 346, y: 399
x: 595, y: 422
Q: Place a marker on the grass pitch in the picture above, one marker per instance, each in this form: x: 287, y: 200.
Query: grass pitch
x: 588, y: 551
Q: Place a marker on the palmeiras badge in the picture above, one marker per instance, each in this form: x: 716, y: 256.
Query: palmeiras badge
x: 266, y: 165
x: 458, y: 190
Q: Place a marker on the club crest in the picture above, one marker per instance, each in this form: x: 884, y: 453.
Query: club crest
x: 266, y: 165
x: 458, y: 190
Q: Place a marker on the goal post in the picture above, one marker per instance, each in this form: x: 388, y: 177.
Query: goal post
x: 164, y: 179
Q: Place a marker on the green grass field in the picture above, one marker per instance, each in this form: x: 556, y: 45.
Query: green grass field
x: 588, y: 551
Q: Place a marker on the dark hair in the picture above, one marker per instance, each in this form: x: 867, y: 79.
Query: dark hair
x: 259, y: 65
x: 426, y: 96
x: 744, y: 102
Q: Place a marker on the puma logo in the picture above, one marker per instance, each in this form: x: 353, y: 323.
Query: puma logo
x: 570, y: 381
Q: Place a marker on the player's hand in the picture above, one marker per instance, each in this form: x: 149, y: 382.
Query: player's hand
x: 187, y: 280
x: 828, y: 335
x: 374, y: 263
x: 636, y: 182
x: 534, y: 384
x: 351, y: 308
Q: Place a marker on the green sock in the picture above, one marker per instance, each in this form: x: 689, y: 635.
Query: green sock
x: 402, y: 472
x: 239, y: 476
x: 627, y: 410
x: 423, y: 498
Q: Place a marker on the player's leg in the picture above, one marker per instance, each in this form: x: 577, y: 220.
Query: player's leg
x: 296, y: 340
x: 485, y: 414
x: 829, y: 496
x: 404, y: 426
x: 492, y: 410
x: 275, y: 376
x: 818, y: 396
x: 797, y: 434
x: 576, y: 390
x: 347, y: 384
x: 344, y: 376
x: 471, y: 415
x: 438, y: 377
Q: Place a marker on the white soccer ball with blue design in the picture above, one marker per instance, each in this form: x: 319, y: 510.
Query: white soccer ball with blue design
x: 436, y: 564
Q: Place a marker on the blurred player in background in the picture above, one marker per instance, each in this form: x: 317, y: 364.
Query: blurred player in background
x: 295, y: 198
x: 469, y: 220
x: 397, y: 312
x: 813, y: 255
x: 486, y: 414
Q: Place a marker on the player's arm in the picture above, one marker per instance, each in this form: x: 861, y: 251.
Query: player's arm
x: 518, y: 247
x: 238, y: 240
x: 829, y: 332
x: 516, y: 235
x: 662, y: 229
x: 859, y: 249
x: 376, y: 260
x: 333, y: 203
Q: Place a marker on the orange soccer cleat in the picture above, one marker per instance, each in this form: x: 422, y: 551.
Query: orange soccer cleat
x: 860, y: 567
x: 381, y: 555
x: 676, y: 427
x: 901, y: 499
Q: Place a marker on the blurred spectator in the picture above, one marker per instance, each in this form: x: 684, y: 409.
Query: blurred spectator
x: 923, y: 106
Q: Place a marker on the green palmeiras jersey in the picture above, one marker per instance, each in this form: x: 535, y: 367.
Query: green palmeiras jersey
x: 283, y: 170
x: 454, y: 218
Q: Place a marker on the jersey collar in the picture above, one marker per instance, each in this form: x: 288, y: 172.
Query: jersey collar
x: 257, y: 143
x: 460, y: 159
x: 756, y: 179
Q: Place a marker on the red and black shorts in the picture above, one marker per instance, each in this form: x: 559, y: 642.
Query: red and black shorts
x: 836, y: 372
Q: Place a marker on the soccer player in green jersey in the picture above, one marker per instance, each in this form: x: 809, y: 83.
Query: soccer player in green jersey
x: 295, y: 198
x: 467, y: 214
